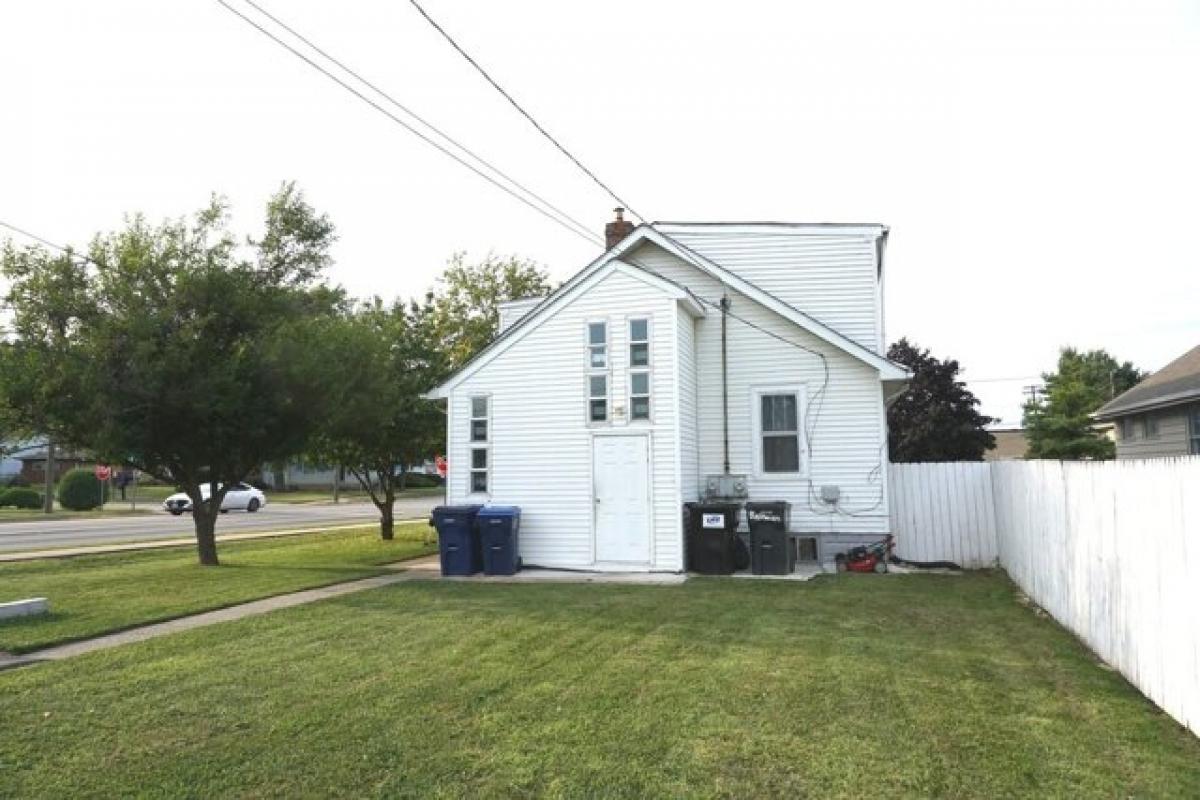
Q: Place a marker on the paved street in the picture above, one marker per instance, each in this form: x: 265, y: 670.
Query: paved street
x: 15, y: 536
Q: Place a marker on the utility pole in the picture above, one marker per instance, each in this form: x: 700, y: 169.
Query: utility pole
x: 48, y: 501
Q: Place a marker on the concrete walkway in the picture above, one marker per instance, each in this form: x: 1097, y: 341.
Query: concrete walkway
x: 424, y: 568
x: 98, y: 549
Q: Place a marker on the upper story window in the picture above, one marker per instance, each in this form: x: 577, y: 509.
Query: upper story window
x: 639, y: 343
x: 1150, y: 426
x: 1194, y: 430
x: 1127, y: 430
x: 639, y: 395
x: 479, y: 419
x: 779, y: 436
x: 597, y: 356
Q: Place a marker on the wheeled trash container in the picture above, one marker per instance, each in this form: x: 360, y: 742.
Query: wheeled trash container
x: 458, y: 540
x: 499, y: 535
x: 712, y: 537
x: 771, y: 551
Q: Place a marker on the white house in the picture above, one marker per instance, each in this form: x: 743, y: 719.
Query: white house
x: 603, y: 408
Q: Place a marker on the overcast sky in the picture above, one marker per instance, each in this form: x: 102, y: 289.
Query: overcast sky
x: 1038, y: 162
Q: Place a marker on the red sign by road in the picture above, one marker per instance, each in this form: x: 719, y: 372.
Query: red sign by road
x: 103, y: 472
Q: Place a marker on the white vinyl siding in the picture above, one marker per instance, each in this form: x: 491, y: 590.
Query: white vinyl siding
x: 848, y: 443
x: 689, y: 456
x: 831, y: 274
x: 541, y: 447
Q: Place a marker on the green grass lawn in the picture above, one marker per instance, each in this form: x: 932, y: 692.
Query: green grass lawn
x: 851, y: 686
x: 90, y: 595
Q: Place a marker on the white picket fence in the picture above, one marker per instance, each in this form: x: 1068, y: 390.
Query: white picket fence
x: 1110, y: 549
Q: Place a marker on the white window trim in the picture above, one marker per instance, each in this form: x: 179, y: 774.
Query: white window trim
x: 649, y: 395
x: 588, y: 398
x: 590, y: 372
x: 473, y: 444
x: 587, y: 344
x: 756, y: 394
x: 629, y: 342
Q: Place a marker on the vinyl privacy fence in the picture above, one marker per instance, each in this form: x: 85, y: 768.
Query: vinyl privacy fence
x: 1110, y: 549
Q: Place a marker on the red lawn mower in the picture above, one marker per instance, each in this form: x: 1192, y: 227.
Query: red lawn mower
x: 873, y: 557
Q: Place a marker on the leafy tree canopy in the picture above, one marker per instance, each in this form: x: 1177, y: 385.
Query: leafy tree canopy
x: 387, y: 355
x: 1059, y: 424
x: 937, y: 418
x: 168, y: 350
x: 465, y: 302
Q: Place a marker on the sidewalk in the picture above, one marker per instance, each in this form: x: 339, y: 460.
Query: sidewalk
x: 97, y: 549
x: 425, y: 568
x: 240, y: 611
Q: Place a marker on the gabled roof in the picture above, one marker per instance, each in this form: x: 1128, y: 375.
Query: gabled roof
x: 619, y: 255
x: 1177, y: 382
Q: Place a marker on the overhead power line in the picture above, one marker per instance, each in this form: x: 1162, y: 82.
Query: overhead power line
x: 592, y: 238
x: 522, y: 111
x: 46, y: 242
x: 373, y: 87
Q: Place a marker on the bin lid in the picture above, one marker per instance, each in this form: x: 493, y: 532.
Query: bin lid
x: 500, y: 511
x: 460, y: 509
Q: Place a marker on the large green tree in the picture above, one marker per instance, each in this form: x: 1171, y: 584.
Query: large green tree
x: 937, y: 418
x: 1059, y: 423
x: 467, y: 297
x: 387, y: 356
x: 176, y: 348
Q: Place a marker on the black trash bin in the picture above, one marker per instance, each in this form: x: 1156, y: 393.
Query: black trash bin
x: 771, y: 551
x: 458, y: 541
x: 712, y: 537
x: 499, y: 535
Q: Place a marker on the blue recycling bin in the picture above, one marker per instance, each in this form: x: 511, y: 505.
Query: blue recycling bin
x: 499, y: 533
x: 458, y: 541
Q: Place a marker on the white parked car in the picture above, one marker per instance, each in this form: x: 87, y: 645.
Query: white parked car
x: 240, y: 496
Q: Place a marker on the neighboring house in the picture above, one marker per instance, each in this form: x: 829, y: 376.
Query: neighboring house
x: 1161, y: 415
x: 10, y: 466
x: 1010, y: 443
x: 599, y: 410
x: 32, y: 456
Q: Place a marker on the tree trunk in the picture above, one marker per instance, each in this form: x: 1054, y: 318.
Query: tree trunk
x: 205, y: 520
x: 387, y: 521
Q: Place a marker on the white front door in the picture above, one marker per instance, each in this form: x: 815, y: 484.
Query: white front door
x: 621, y: 498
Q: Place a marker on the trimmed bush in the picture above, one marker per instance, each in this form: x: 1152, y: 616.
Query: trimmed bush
x: 79, y: 490
x: 18, y: 480
x: 419, y: 480
x: 20, y: 497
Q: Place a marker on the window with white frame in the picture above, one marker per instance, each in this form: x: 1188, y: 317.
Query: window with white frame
x: 639, y: 343
x: 779, y: 441
x: 480, y: 436
x: 596, y: 379
x: 639, y: 395
x: 597, y: 410
x: 597, y: 338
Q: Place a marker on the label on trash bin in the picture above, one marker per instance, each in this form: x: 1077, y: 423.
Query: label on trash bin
x: 713, y: 521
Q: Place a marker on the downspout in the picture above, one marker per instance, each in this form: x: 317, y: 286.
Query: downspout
x: 725, y: 379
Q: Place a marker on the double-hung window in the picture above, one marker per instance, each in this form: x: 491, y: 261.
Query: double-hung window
x: 596, y: 378
x: 639, y: 369
x: 480, y: 439
x: 779, y: 418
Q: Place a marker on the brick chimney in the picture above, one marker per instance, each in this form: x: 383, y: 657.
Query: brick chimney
x: 616, y: 230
